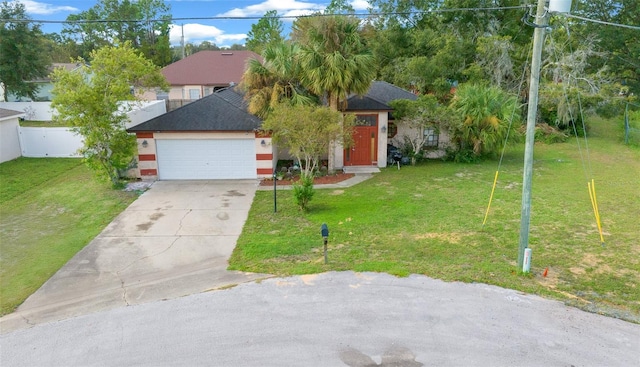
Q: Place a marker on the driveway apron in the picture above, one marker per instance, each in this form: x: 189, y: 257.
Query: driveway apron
x: 174, y: 240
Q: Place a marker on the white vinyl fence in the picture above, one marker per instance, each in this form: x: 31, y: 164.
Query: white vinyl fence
x: 61, y: 142
x: 49, y: 142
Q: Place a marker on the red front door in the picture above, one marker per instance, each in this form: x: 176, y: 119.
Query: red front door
x: 364, y: 151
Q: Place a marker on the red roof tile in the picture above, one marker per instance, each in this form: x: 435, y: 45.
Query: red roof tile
x: 209, y: 68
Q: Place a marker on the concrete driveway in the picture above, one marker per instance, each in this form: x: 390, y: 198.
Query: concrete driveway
x: 174, y: 240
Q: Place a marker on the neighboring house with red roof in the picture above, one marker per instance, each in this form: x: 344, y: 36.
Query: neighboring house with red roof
x: 205, y: 72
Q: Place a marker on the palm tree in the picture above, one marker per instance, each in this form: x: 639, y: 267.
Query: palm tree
x: 333, y: 59
x: 275, y: 80
x: 484, y: 116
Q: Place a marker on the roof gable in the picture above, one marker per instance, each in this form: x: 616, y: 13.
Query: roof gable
x: 209, y: 68
x: 6, y: 114
x: 224, y: 110
x: 378, y: 97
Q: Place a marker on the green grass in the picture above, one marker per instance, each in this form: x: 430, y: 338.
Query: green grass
x: 427, y: 220
x: 49, y: 210
x: 34, y: 123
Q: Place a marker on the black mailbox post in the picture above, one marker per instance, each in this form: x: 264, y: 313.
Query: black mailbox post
x: 324, y: 230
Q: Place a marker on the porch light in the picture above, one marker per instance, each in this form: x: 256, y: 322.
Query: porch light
x: 384, y: 129
x: 145, y: 144
x: 263, y: 143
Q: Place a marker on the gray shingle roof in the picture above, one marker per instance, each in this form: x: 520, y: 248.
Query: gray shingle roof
x: 224, y: 110
x: 5, y: 113
x: 378, y: 97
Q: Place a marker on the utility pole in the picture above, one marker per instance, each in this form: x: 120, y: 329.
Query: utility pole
x: 182, y: 41
x: 538, y: 40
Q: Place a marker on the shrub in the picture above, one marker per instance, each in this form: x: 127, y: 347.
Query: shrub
x: 303, y: 191
x: 483, y: 116
x: 548, y: 134
x: 462, y: 155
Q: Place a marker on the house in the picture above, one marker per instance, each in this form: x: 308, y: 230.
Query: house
x: 205, y: 72
x: 216, y: 138
x: 9, y: 138
x: 45, y: 85
x: 375, y: 125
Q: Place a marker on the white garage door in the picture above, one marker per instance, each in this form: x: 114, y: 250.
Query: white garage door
x: 206, y: 159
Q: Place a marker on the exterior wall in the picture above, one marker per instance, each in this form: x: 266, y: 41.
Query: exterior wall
x: 432, y: 153
x: 147, y: 161
x: 43, y: 94
x: 9, y: 139
x: 175, y: 92
x: 383, y: 124
x: 182, y: 91
x: 147, y: 155
x: 265, y: 158
x: 383, y: 121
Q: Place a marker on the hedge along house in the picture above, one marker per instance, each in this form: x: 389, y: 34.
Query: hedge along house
x: 212, y: 138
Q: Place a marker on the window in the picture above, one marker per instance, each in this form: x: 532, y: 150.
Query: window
x: 430, y: 138
x: 392, y: 130
x: 194, y: 93
x: 366, y: 120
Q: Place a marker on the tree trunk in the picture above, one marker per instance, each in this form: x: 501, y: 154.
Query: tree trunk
x: 333, y: 105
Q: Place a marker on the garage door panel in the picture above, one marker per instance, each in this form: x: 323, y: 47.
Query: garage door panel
x: 206, y: 159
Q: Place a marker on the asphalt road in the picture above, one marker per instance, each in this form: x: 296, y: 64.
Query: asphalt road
x: 334, y: 319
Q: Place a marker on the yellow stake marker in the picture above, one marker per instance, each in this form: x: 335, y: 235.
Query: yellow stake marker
x: 495, y: 180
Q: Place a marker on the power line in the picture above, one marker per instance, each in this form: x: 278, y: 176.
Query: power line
x: 179, y: 19
x: 602, y: 22
x: 359, y: 15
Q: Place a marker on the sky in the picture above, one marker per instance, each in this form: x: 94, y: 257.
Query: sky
x: 222, y: 32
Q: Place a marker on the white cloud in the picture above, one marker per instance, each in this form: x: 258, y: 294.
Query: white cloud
x: 196, y: 33
x: 40, y: 8
x: 284, y: 7
x: 359, y: 5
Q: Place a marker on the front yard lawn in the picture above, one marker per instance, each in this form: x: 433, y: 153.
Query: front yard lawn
x: 50, y: 208
x: 427, y: 220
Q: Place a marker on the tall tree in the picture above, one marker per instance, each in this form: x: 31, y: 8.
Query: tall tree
x: 275, y: 80
x: 21, y: 56
x: 144, y: 23
x: 428, y: 50
x: 339, y: 7
x: 334, y: 61
x: 90, y: 100
x: 60, y: 49
x: 621, y: 45
x: 266, y: 32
